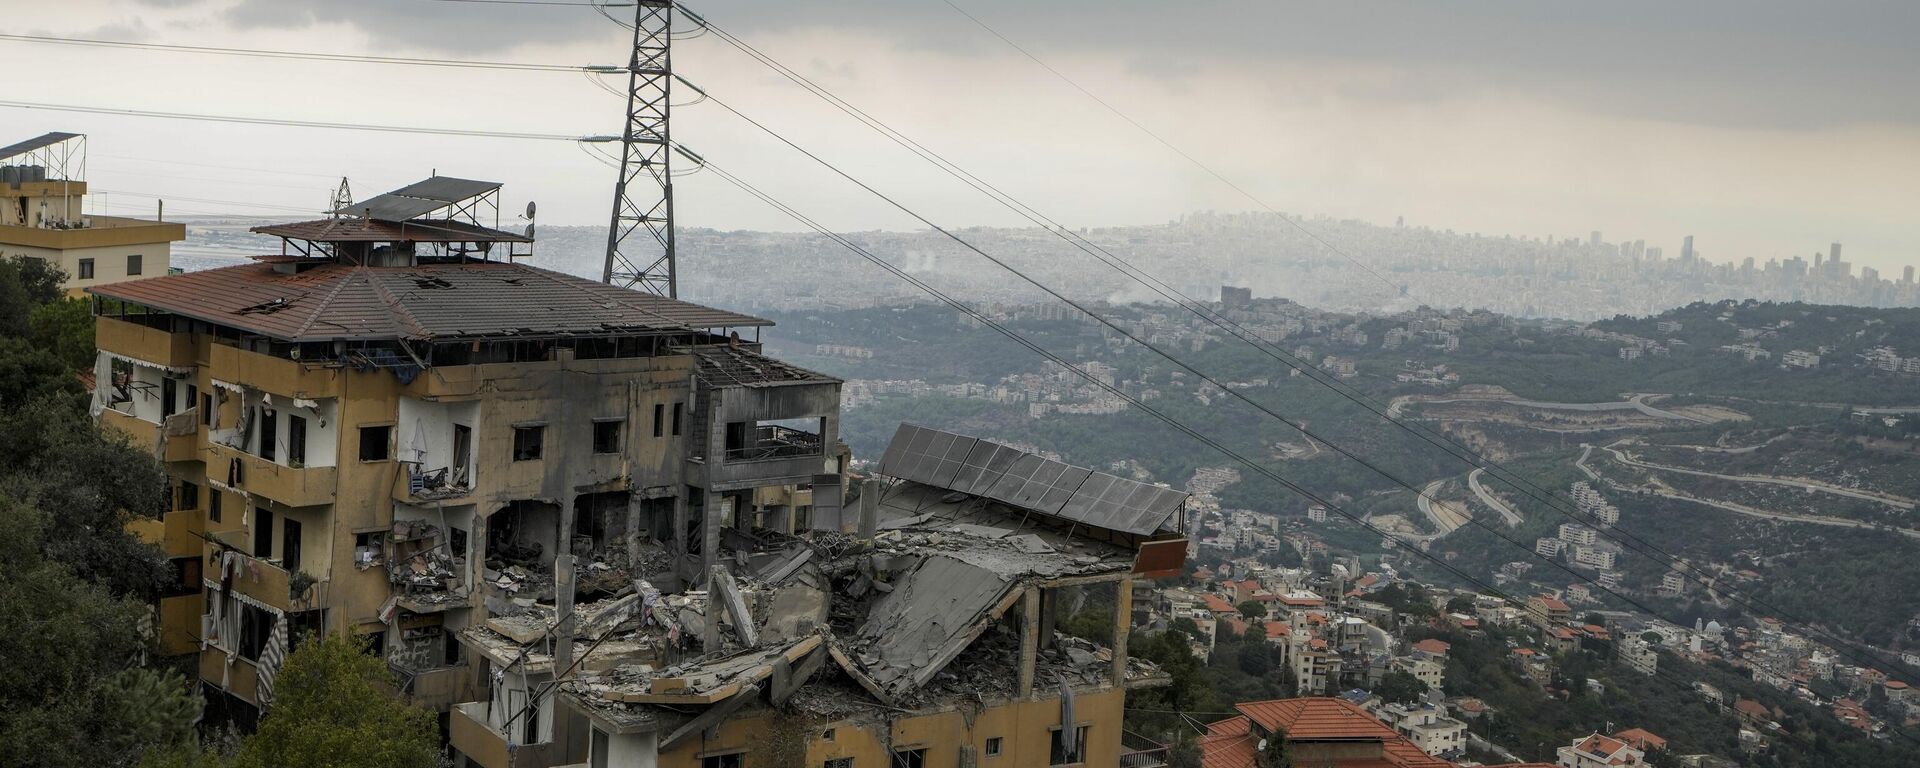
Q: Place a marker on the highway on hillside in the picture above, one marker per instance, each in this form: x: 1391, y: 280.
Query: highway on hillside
x: 1811, y: 485
x: 1507, y: 513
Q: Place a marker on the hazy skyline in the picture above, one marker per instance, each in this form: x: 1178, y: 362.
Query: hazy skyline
x: 1765, y: 129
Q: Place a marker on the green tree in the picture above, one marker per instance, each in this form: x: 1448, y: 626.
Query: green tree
x: 71, y: 693
x: 64, y: 328
x: 1275, y: 754
x: 1251, y: 609
x: 1400, y: 687
x: 333, y: 706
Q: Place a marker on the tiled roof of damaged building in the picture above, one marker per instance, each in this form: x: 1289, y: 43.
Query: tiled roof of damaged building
x: 736, y: 367
x: 331, y: 301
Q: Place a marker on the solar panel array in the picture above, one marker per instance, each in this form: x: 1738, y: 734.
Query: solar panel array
x: 38, y: 142
x: 988, y: 469
x: 418, y: 198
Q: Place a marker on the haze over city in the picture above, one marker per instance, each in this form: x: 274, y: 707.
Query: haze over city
x: 1764, y: 129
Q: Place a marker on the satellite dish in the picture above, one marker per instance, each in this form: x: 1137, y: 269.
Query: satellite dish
x: 530, y: 209
x: 529, y: 230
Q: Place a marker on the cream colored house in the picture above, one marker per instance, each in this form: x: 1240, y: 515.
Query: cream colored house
x: 43, y: 193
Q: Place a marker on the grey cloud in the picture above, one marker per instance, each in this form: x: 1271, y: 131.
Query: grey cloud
x: 1771, y: 63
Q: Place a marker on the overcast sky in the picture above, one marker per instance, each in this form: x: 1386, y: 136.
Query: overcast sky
x: 1766, y: 128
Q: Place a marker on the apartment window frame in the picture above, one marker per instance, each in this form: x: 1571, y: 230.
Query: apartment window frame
x: 290, y: 543
x: 605, y: 443
x: 187, y: 497
x: 136, y: 264
x: 838, y: 762
x: 1056, y: 749
x: 994, y: 745
x: 262, y: 533
x: 85, y: 270
x: 679, y: 409
x: 296, y: 440
x: 213, y: 504
x: 269, y: 420
x: 908, y: 757
x: 659, y: 419
x: 384, y: 431
x: 529, y: 441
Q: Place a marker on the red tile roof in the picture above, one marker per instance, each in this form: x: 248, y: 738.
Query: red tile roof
x: 332, y: 300
x: 1641, y: 739
x: 1333, y: 719
x: 1434, y: 646
x: 1228, y: 744
x: 1278, y: 629
x: 1217, y: 604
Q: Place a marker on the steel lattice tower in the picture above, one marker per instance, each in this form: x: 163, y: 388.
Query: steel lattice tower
x: 643, y: 194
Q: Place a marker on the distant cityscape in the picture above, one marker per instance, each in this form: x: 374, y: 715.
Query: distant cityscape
x: 1572, y: 278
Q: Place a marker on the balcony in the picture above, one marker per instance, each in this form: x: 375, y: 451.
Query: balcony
x: 472, y: 736
x: 770, y: 443
x: 438, y: 689
x: 171, y: 350
x: 1137, y: 751
x: 176, y: 533
x: 273, y: 585
x: 292, y: 486
x: 242, y: 677
x: 280, y: 376
x: 180, y: 624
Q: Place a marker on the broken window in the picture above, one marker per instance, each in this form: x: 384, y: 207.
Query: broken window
x: 366, y: 548
x: 722, y: 761
x: 269, y: 432
x: 296, y: 441
x: 169, y: 396
x: 255, y: 626
x: 290, y: 545
x: 777, y: 439
x: 374, y: 442
x: 121, y: 372
x: 993, y: 746
x: 262, y: 533
x: 189, y: 497
x: 1059, y: 753
x: 527, y: 440
x: 462, y: 454
x: 606, y: 435
x: 838, y: 762
x: 910, y: 758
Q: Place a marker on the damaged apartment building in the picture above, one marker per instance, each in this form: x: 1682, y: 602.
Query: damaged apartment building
x: 925, y: 627
x: 394, y: 429
x: 593, y: 526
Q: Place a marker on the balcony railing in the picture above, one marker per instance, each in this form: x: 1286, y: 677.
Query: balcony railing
x: 1138, y: 751
x: 469, y: 733
x: 776, y: 442
x: 292, y: 486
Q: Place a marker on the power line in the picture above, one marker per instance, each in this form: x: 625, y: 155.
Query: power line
x: 1115, y: 391
x: 1398, y: 288
x: 303, y: 55
x: 289, y: 123
x: 1444, y: 443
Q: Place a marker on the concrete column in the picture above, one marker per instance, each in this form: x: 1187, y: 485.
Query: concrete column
x: 710, y: 530
x: 635, y: 521
x: 563, y: 587
x: 869, y: 508
x: 1122, y: 625
x: 1029, y: 640
x: 680, y: 520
